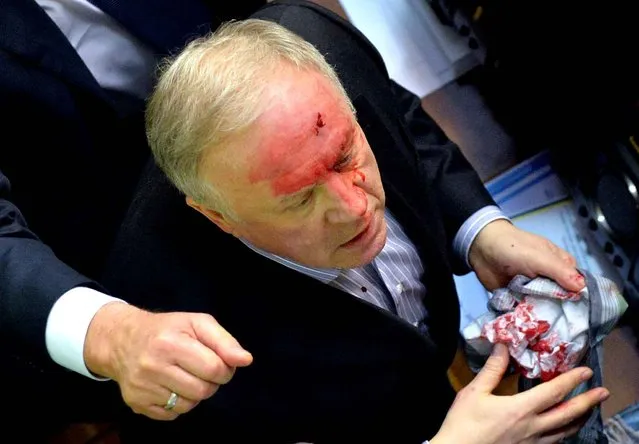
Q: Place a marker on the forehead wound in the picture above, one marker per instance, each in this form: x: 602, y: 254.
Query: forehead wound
x: 295, y: 159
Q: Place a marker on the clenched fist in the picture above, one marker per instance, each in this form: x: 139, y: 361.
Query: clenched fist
x: 152, y: 355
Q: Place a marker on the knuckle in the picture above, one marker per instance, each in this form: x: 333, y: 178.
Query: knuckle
x: 528, y: 431
x: 218, y: 372
x: 214, y: 389
x: 171, y: 416
x: 202, y: 391
x: 136, y: 408
x: 202, y: 319
x: 212, y: 369
x: 550, y: 245
x: 146, y: 364
x: 164, y: 342
x: 520, y: 415
x: 206, y: 317
x: 155, y: 415
x: 210, y: 390
x: 190, y: 405
x: 226, y: 375
x: 128, y: 399
x: 557, y: 395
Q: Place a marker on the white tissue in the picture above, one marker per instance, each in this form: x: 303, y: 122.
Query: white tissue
x: 546, y: 335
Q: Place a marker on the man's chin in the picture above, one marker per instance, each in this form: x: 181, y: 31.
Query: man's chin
x: 353, y: 259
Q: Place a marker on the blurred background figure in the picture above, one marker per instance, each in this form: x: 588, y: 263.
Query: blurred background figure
x: 437, y: 64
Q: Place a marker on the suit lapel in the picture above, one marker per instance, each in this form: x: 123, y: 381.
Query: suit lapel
x: 415, y: 210
x: 28, y: 32
x: 404, y: 197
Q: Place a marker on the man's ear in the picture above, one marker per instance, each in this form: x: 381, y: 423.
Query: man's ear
x: 214, y: 216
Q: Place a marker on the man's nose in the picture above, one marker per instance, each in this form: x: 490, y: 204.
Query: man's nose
x: 348, y: 202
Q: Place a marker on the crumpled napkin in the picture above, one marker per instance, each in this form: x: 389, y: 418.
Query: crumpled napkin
x: 545, y: 327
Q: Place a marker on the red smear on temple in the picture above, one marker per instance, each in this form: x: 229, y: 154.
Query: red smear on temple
x: 361, y: 175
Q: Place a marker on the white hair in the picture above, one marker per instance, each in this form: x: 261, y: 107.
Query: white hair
x: 211, y: 91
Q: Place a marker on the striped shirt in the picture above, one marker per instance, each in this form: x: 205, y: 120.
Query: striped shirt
x: 393, y: 280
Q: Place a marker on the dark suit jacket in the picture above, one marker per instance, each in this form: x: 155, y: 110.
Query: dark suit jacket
x: 73, y: 158
x: 73, y: 153
x: 328, y: 366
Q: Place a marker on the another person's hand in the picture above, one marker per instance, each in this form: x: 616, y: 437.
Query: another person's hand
x: 538, y: 415
x: 501, y: 251
x: 151, y: 355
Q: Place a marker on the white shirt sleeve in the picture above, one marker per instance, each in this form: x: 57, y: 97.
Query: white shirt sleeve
x: 67, y: 327
x: 471, y: 227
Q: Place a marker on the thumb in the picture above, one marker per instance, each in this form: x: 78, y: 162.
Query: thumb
x: 210, y: 333
x: 572, y: 280
x: 490, y: 376
x: 561, y: 269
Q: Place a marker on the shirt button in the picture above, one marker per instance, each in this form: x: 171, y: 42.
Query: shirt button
x: 399, y: 287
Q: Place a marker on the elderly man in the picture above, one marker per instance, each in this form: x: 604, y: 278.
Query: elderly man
x: 344, y: 215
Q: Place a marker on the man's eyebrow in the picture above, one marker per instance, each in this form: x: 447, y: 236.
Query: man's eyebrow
x: 288, y: 199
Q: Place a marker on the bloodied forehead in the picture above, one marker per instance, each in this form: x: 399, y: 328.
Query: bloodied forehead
x: 303, y: 132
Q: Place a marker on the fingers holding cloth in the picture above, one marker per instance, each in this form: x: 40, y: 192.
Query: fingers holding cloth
x: 538, y: 415
x: 540, y: 305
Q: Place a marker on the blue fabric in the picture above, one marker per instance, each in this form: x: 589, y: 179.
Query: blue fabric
x: 593, y: 430
x: 623, y: 428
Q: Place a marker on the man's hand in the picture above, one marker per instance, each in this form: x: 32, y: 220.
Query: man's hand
x: 538, y: 415
x: 501, y: 251
x: 151, y: 355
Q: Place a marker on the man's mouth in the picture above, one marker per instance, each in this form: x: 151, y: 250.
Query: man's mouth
x: 362, y: 234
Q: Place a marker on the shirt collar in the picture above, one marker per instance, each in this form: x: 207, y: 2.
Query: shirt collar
x: 324, y: 275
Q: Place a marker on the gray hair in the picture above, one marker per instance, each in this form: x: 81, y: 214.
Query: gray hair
x: 211, y: 91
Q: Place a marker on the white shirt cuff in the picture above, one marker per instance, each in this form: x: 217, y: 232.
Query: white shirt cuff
x: 471, y: 227
x: 68, y: 324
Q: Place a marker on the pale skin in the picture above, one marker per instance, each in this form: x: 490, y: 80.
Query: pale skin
x: 151, y: 355
x: 304, y: 184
